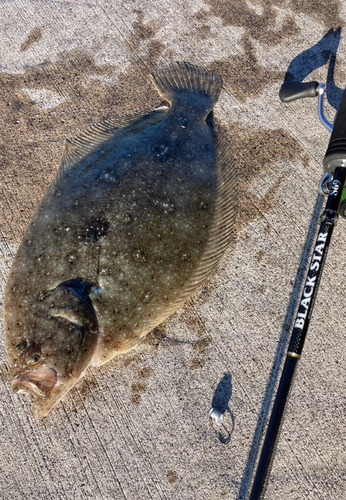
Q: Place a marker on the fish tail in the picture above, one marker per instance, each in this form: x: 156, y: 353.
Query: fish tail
x: 182, y: 81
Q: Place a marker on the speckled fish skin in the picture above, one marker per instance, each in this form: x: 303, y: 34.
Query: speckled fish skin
x: 137, y: 219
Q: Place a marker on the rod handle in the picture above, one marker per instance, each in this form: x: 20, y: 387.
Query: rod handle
x: 290, y: 91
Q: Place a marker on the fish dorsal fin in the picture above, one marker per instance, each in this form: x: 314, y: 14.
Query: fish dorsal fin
x: 78, y: 148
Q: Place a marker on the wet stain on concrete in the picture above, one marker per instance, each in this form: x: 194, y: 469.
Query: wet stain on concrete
x: 305, y: 160
x: 131, y: 359
x: 202, y: 15
x: 319, y: 10
x: 250, y: 203
x: 137, y: 390
x: 144, y: 372
x: 194, y: 323
x: 197, y: 363
x: 156, y: 337
x: 142, y: 31
x: 255, y: 151
x: 33, y: 37
x: 136, y: 399
x: 260, y: 254
x: 201, y: 345
x: 203, y: 30
x: 263, y: 21
x: 87, y: 384
x: 81, y: 393
x: 259, y: 20
x: 172, y: 476
x: 134, y: 87
x: 243, y: 76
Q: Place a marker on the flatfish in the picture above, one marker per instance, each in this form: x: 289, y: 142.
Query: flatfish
x: 136, y: 220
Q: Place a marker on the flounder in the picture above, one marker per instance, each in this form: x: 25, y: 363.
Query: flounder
x: 136, y: 220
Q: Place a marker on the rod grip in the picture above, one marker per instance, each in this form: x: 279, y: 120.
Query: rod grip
x: 336, y: 151
x: 290, y: 91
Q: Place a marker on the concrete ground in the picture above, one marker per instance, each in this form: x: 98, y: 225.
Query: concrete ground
x: 138, y: 427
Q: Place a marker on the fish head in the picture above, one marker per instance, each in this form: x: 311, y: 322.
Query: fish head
x: 54, y: 346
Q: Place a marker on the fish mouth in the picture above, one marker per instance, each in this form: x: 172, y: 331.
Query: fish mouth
x: 45, y: 384
x: 39, y: 382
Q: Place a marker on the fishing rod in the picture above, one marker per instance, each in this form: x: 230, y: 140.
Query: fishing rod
x: 332, y: 184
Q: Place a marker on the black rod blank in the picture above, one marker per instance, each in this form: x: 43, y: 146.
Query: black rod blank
x: 300, y: 329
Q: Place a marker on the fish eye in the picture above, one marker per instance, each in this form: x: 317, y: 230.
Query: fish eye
x: 33, y: 357
x: 20, y: 347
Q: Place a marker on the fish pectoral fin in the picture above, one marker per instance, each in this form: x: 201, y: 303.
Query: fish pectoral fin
x: 80, y: 147
x: 75, y: 305
x: 72, y: 304
x: 85, y: 353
